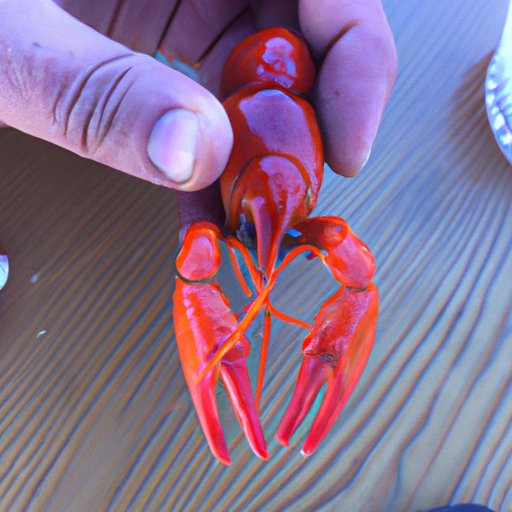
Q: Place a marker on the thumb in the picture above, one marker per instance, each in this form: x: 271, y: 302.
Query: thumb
x: 65, y: 83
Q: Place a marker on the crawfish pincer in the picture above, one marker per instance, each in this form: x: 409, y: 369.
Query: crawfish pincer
x: 269, y: 188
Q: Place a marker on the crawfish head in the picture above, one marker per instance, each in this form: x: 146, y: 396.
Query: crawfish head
x: 269, y: 188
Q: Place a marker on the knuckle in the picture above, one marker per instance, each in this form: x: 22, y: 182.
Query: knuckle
x: 85, y: 112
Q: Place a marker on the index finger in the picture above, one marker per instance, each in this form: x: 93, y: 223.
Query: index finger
x: 358, y: 70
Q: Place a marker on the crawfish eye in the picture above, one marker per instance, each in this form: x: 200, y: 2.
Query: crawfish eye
x: 293, y: 233
x: 246, y: 233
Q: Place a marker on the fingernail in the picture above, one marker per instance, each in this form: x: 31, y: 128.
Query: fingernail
x: 172, y: 144
x: 366, y: 158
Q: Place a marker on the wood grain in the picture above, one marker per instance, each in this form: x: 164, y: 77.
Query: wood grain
x: 94, y: 411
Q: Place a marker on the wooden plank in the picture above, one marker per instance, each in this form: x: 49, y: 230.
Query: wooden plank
x: 94, y: 411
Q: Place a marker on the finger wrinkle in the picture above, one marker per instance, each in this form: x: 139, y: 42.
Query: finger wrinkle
x: 108, y: 108
x: 167, y: 27
x: 213, y: 63
x: 87, y: 97
x: 76, y: 91
x: 114, y: 18
x: 222, y: 33
x: 196, y: 27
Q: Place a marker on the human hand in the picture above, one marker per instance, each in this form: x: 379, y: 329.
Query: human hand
x: 64, y: 82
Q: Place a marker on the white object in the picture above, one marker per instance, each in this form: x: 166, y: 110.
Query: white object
x: 498, y: 89
x: 4, y: 270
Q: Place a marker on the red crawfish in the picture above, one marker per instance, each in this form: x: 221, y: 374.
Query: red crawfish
x: 269, y: 187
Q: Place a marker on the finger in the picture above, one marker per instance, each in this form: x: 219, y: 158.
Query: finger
x: 269, y: 13
x: 194, y: 31
x: 63, y: 82
x: 355, y: 78
x: 138, y: 24
x: 212, y: 64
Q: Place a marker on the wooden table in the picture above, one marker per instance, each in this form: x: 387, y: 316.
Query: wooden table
x: 94, y: 410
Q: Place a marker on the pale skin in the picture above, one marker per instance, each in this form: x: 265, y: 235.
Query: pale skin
x: 79, y: 74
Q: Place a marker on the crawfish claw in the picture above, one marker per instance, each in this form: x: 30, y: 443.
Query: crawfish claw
x: 335, y: 353
x: 235, y: 377
x: 208, y: 348
x: 203, y: 323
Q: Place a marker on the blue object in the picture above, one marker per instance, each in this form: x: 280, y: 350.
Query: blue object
x: 463, y: 507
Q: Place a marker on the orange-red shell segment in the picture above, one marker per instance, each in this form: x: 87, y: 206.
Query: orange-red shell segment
x: 206, y: 329
x: 199, y: 257
x: 274, y: 57
x: 349, y: 258
x: 272, y: 122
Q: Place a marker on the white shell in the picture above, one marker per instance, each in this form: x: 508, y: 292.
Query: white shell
x: 498, y: 90
x: 4, y: 270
